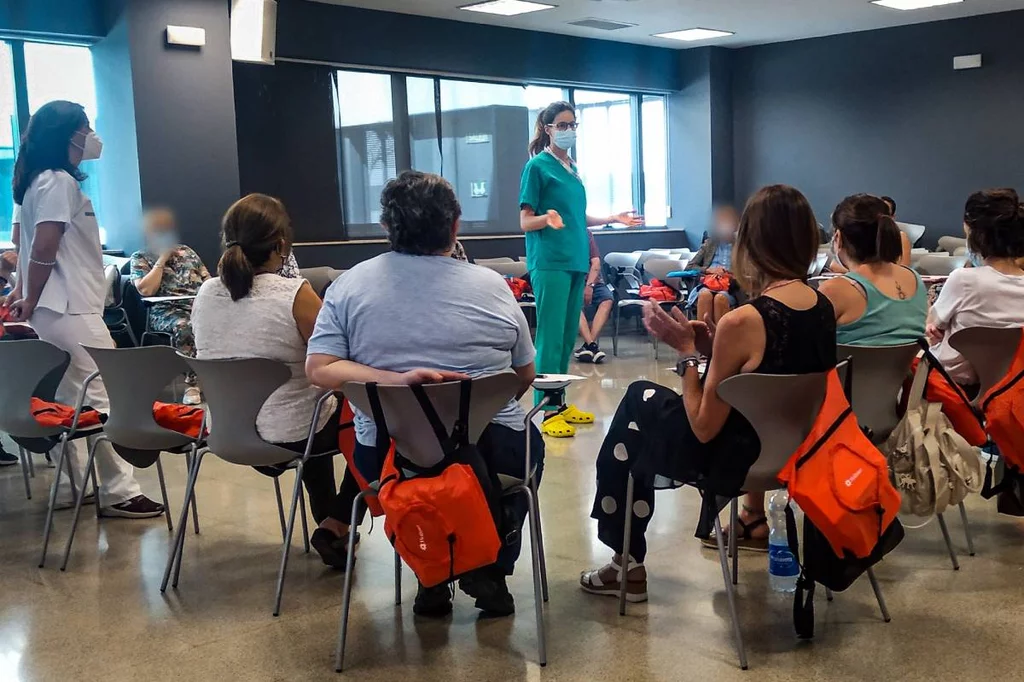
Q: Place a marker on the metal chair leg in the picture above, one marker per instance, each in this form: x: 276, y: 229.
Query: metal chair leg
x: 734, y: 551
x: 878, y: 595
x: 615, y: 330
x: 195, y: 509
x: 305, y: 522
x: 192, y: 495
x: 724, y: 561
x: 53, y: 498
x: 339, y: 650
x: 71, y: 476
x: 280, y: 506
x: 949, y: 543
x: 538, y: 590
x: 78, y: 502
x: 96, y: 488
x: 24, y: 472
x: 163, y: 494
x: 296, y: 493
x: 967, y: 529
x: 31, y: 461
x: 398, y: 578
x: 626, y: 539
x: 177, y: 547
x: 540, y: 540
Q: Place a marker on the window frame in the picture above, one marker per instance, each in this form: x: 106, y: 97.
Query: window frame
x: 403, y: 145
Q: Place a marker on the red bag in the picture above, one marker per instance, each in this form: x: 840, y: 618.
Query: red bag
x: 185, y: 419
x: 347, y: 447
x: 841, y: 480
x: 658, y: 291
x: 1003, y: 407
x: 955, y: 404
x: 441, y: 521
x: 717, y: 281
x: 59, y: 414
x: 520, y: 287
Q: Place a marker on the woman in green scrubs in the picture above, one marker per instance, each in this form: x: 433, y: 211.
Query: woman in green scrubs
x: 553, y: 214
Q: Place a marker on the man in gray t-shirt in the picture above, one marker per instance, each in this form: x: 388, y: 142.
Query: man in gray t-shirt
x: 417, y: 315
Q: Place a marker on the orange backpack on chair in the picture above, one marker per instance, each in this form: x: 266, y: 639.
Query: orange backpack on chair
x: 955, y: 404
x: 1003, y: 407
x: 441, y: 520
x: 347, y: 447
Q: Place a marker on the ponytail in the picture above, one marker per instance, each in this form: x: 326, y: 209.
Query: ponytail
x: 252, y: 230
x: 546, y: 117
x: 888, y: 243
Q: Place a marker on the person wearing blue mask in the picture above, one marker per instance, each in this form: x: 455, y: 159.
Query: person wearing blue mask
x: 553, y: 214
x: 165, y: 267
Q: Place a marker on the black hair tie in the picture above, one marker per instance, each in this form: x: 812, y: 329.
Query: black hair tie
x: 228, y: 245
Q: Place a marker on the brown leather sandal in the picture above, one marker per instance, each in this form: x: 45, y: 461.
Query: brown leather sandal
x: 636, y: 588
x: 745, y: 540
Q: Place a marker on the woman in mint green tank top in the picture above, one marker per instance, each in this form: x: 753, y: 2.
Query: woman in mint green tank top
x: 878, y: 302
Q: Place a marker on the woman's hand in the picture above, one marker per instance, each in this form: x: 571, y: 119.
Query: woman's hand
x: 705, y: 334
x: 674, y: 330
x: 429, y: 376
x: 934, y: 334
x: 555, y: 220
x: 628, y: 218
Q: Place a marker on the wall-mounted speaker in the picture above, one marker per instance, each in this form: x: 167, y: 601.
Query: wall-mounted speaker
x: 253, y: 30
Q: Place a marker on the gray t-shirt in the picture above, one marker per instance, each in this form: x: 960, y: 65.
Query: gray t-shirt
x: 398, y: 312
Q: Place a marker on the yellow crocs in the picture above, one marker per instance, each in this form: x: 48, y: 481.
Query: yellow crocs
x: 556, y: 427
x: 575, y: 415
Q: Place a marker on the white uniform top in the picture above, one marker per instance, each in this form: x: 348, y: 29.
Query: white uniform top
x: 76, y: 285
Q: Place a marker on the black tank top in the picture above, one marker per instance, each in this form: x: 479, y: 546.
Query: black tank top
x: 797, y: 341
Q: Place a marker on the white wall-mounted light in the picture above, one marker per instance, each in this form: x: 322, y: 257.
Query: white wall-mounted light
x: 913, y: 4
x: 253, y: 30
x: 690, y: 35
x: 187, y: 36
x: 507, y: 8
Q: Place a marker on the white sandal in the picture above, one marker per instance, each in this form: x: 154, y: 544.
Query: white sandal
x: 636, y: 590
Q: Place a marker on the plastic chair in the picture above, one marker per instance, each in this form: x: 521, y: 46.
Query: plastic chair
x: 319, y: 278
x: 951, y: 244
x: 622, y: 274
x: 34, y: 368
x: 415, y: 439
x: 989, y: 350
x: 782, y: 410
x: 659, y: 269
x: 878, y: 376
x: 916, y: 255
x: 510, y: 269
x: 914, y: 232
x: 235, y: 391
x: 134, y: 379
x: 939, y: 264
x: 493, y: 261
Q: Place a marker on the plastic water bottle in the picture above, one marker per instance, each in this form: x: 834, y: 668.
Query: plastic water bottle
x: 783, y: 569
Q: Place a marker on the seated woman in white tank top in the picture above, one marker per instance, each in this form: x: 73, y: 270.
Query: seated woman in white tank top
x: 249, y: 311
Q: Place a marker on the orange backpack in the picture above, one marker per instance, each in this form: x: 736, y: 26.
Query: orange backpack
x: 955, y: 404
x: 841, y: 480
x: 1003, y: 407
x: 347, y: 447
x: 185, y: 419
x: 658, y: 291
x: 441, y: 520
x: 59, y: 414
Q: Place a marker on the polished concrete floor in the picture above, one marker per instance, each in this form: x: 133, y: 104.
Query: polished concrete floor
x: 105, y: 618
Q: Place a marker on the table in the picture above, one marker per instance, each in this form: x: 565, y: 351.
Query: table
x: 150, y: 301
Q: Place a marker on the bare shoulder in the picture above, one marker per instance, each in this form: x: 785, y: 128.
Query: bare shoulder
x: 739, y: 322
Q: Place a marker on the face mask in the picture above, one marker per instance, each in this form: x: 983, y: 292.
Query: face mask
x: 835, y: 252
x: 976, y: 260
x: 161, y: 241
x: 564, y: 139
x: 91, y: 148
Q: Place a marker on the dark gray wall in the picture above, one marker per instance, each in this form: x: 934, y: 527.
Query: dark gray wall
x: 185, y: 117
x: 73, y: 19
x: 884, y: 112
x: 385, y: 40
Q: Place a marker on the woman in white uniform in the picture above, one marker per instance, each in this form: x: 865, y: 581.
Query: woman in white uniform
x: 61, y: 288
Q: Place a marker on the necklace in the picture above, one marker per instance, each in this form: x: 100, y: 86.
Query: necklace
x: 777, y: 285
x: 567, y: 165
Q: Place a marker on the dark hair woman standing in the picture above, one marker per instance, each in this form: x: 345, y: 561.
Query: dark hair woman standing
x: 553, y: 214
x: 61, y: 288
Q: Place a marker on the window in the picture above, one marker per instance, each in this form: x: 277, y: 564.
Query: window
x: 655, y: 147
x: 366, y: 143
x: 8, y: 139
x: 65, y: 72
x: 604, y: 150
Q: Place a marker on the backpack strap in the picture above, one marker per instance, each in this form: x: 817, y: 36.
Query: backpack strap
x: 383, y: 437
x: 803, y: 598
x: 445, y: 439
x: 460, y: 433
x: 934, y: 363
x: 825, y: 436
x: 992, y: 395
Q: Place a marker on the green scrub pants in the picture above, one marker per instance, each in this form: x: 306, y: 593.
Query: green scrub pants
x: 559, y: 299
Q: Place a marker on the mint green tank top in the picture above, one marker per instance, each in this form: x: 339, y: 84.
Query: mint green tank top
x: 886, y: 321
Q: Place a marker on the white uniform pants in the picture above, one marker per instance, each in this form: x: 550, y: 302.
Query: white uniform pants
x: 68, y: 332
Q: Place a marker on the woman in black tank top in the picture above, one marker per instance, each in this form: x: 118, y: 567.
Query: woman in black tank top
x: 666, y: 440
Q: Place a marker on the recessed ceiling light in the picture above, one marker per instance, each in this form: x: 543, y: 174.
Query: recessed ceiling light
x: 507, y: 8
x: 692, y: 34
x: 913, y: 4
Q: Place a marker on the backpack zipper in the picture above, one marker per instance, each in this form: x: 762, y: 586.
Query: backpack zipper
x: 828, y: 434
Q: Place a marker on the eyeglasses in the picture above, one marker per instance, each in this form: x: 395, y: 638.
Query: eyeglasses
x: 563, y: 126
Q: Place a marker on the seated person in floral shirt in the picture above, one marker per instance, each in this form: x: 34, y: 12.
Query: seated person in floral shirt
x: 167, y: 268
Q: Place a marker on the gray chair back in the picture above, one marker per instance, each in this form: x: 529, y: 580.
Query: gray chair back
x: 878, y: 376
x: 951, y: 244
x: 782, y: 409
x: 914, y: 231
x: 511, y: 269
x: 493, y: 261
x: 31, y: 368
x: 134, y: 379
x: 659, y: 269
x: 319, y: 278
x: 407, y: 424
x: 990, y: 352
x: 235, y: 391
x: 939, y: 264
x: 818, y: 264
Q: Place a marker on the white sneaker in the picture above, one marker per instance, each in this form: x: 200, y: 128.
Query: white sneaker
x: 192, y: 396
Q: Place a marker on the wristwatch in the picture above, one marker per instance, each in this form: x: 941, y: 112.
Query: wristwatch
x: 690, y: 360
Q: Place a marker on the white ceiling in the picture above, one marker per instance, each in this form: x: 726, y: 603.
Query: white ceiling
x: 753, y: 21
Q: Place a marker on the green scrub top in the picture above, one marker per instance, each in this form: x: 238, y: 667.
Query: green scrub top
x: 546, y: 185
